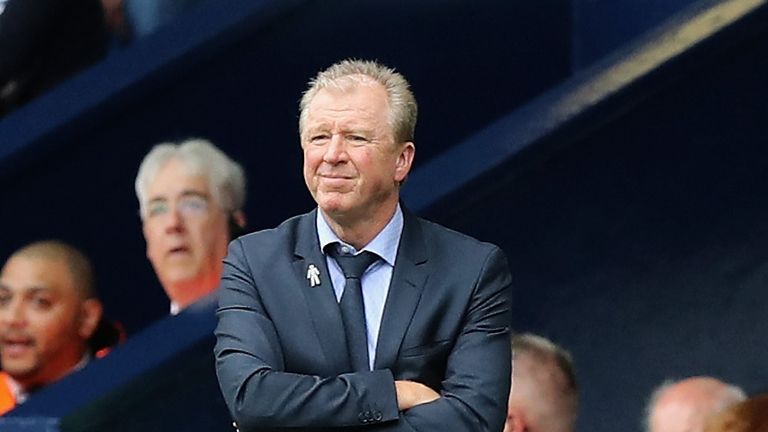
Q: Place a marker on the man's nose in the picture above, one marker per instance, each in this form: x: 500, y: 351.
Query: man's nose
x: 13, y: 314
x: 336, y: 151
x: 175, y: 220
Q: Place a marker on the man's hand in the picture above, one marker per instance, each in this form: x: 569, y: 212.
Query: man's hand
x: 411, y: 393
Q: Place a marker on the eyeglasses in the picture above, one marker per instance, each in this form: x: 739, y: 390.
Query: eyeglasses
x: 188, y: 205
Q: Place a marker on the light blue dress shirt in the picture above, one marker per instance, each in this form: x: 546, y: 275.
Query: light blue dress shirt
x: 375, y: 281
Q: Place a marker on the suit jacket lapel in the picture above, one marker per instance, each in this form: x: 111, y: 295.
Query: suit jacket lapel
x: 320, y: 299
x: 408, y: 279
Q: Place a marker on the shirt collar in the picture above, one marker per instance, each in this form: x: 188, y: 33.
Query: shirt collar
x: 19, y: 395
x: 384, y: 244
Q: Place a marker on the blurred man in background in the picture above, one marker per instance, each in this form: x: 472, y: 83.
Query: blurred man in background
x: 48, y: 313
x: 191, y: 197
x: 685, y: 406
x: 544, y: 395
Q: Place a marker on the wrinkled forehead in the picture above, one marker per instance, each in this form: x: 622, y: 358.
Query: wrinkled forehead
x: 367, y: 102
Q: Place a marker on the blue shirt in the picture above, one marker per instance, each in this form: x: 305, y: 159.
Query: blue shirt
x: 375, y: 281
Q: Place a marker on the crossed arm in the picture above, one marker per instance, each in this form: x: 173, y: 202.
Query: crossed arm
x: 262, y: 394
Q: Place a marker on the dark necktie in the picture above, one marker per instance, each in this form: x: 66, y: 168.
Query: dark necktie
x: 351, y: 304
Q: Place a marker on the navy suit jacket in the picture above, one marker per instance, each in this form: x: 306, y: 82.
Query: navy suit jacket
x: 281, y: 355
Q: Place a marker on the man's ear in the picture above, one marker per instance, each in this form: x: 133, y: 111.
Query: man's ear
x: 515, y: 421
x: 404, y: 161
x: 238, y: 217
x: 236, y: 224
x: 90, y: 314
x: 145, y: 231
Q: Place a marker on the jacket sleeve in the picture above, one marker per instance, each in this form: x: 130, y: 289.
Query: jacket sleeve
x: 251, y: 369
x: 477, y: 381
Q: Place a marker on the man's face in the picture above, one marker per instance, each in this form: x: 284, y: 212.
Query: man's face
x: 352, y: 165
x: 186, y: 232
x: 43, y: 320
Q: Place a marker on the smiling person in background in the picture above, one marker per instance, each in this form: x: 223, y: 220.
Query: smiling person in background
x: 48, y: 313
x: 191, y: 197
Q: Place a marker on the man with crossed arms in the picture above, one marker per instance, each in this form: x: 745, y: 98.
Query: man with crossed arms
x: 423, y: 347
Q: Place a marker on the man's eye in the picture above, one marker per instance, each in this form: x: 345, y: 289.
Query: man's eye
x: 193, y: 205
x: 42, y: 302
x: 4, y: 299
x: 357, y: 140
x: 318, y: 138
x: 156, y: 209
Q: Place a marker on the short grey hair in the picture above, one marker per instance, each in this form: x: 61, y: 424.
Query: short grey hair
x: 541, y: 347
x: 346, y: 75
x: 545, y: 353
x: 225, y: 176
x: 727, y: 396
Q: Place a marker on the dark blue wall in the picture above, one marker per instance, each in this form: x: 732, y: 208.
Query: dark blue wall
x: 603, y: 26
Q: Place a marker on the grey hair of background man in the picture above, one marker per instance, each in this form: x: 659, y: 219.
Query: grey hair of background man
x: 566, y: 394
x: 348, y: 74
x: 729, y: 395
x: 200, y: 157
